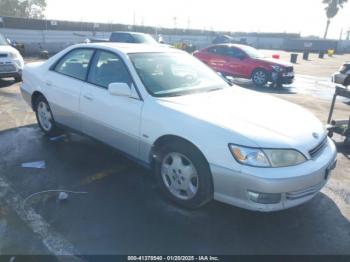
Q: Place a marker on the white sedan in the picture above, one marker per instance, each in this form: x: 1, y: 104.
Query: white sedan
x: 203, y: 138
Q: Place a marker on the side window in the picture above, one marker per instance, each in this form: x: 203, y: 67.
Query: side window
x: 236, y: 53
x: 212, y: 50
x: 75, y: 63
x: 108, y: 68
x: 122, y: 38
x: 218, y: 50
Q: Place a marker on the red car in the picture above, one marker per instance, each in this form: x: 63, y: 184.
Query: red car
x: 246, y: 62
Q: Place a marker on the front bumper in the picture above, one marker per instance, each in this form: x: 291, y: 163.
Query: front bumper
x: 283, y: 77
x: 17, y: 74
x: 295, y: 185
x: 10, y: 68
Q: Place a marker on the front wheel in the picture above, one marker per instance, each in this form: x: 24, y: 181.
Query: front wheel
x: 18, y: 79
x: 260, y: 77
x: 183, y: 175
x: 44, y: 117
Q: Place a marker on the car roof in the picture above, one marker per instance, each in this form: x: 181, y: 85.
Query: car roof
x: 128, y: 32
x: 130, y: 48
x: 231, y: 45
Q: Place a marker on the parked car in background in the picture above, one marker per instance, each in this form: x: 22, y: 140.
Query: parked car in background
x: 342, y: 77
x: 243, y: 61
x: 127, y: 37
x: 223, y: 39
x: 11, y: 61
x: 203, y: 138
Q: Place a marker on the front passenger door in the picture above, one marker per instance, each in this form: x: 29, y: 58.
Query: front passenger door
x: 114, y: 120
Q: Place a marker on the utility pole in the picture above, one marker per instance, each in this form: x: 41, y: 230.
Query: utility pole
x: 341, y: 34
x: 175, y: 22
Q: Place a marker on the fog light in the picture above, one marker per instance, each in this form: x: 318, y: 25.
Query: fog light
x: 264, y: 198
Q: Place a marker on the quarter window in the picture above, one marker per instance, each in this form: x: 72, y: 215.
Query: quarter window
x: 108, y: 68
x: 75, y: 63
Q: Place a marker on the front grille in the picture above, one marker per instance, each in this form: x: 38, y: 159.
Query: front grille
x: 304, y: 192
x: 289, y: 69
x: 3, y: 55
x: 319, y: 148
x: 7, y: 68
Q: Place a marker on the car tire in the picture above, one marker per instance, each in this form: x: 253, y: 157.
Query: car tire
x: 183, y: 175
x: 18, y: 79
x: 45, y: 118
x: 260, y: 77
x: 347, y: 81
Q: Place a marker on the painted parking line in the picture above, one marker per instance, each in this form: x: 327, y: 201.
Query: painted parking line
x: 103, y: 174
x: 54, y: 242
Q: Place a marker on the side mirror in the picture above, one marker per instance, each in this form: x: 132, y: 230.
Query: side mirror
x: 119, y: 89
x: 8, y: 41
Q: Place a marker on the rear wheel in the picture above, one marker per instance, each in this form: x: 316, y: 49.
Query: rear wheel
x: 183, y: 175
x: 45, y: 118
x: 18, y: 78
x: 260, y: 77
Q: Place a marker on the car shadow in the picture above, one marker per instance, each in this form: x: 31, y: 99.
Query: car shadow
x: 6, y: 82
x: 125, y: 211
x: 265, y: 89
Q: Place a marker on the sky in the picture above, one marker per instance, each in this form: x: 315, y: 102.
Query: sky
x: 293, y: 16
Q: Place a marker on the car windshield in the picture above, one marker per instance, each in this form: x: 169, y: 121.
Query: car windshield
x: 3, y: 40
x: 252, y: 52
x: 146, y: 39
x: 175, y: 74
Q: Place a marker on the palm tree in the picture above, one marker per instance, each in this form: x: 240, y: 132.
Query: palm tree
x: 332, y: 9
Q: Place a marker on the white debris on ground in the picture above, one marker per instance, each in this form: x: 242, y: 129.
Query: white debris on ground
x: 62, y: 196
x: 36, y: 164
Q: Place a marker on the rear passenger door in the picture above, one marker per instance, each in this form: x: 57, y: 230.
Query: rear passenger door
x: 114, y: 120
x: 62, y: 85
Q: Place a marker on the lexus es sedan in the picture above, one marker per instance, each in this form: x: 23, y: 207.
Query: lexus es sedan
x: 203, y: 138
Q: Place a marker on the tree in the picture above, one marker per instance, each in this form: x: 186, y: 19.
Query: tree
x: 332, y: 9
x: 23, y: 8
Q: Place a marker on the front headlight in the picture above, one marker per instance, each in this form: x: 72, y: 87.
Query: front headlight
x: 342, y: 69
x: 277, y: 68
x: 284, y: 157
x: 15, y: 55
x: 266, y: 157
x: 249, y: 156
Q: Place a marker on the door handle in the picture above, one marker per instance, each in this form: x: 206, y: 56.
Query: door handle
x: 87, y: 97
x: 48, y: 83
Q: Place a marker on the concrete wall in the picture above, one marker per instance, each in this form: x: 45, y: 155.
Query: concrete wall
x: 344, y: 46
x: 55, y: 40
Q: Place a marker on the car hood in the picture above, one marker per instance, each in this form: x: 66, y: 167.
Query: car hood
x: 265, y: 120
x: 273, y: 61
x: 6, y: 49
